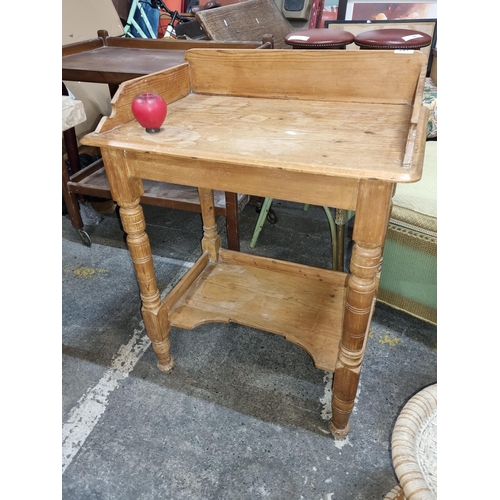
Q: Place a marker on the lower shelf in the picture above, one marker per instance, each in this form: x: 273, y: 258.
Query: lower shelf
x: 304, y: 304
x: 92, y: 181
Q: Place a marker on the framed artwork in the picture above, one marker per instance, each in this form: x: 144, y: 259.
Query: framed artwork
x: 330, y: 11
x: 369, y: 10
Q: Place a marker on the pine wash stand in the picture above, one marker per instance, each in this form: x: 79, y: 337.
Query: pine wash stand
x: 333, y: 128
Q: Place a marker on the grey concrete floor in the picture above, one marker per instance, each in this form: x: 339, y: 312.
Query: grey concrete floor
x: 244, y: 414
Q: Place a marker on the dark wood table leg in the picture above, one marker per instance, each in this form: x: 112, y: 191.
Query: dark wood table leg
x: 113, y: 87
x: 232, y: 222
x: 72, y: 149
x: 70, y: 200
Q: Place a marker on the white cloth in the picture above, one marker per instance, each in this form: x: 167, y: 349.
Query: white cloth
x: 73, y: 112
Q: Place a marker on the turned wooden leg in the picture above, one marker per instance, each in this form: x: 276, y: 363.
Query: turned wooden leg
x: 211, y: 241
x: 360, y: 299
x: 372, y: 216
x: 127, y: 192
x: 155, y: 316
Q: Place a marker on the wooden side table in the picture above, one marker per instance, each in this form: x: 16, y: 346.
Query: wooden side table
x: 336, y: 128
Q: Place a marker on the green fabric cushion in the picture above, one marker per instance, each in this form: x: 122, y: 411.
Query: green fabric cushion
x: 409, y: 270
x: 421, y: 197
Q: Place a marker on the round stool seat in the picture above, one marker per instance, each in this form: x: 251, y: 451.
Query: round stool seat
x: 392, y: 39
x: 319, y: 38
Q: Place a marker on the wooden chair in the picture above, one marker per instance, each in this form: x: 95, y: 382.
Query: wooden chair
x: 245, y: 21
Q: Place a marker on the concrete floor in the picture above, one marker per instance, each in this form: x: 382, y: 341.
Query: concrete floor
x: 244, y: 414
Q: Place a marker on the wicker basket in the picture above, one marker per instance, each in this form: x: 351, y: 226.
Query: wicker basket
x: 414, y: 448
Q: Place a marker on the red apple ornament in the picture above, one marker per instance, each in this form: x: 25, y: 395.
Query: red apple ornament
x: 150, y: 111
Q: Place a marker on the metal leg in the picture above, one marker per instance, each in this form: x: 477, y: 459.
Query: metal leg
x: 260, y: 221
x: 341, y: 217
x: 337, y: 248
x: 335, y: 242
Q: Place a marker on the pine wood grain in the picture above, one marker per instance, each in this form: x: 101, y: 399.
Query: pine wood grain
x: 283, y: 298
x: 247, y: 131
x: 322, y: 75
x: 333, y: 128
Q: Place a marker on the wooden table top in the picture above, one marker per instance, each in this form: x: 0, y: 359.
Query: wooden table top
x: 251, y: 128
x: 114, y: 60
x: 334, y: 138
x: 118, y: 64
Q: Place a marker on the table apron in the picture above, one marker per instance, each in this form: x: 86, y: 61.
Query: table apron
x: 98, y: 76
x: 296, y: 186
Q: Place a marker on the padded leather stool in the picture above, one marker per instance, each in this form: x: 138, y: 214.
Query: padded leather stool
x: 392, y: 39
x: 319, y: 38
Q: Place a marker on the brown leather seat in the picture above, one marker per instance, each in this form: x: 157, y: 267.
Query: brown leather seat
x: 393, y: 39
x: 319, y: 38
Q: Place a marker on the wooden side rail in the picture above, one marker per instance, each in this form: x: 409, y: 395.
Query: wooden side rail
x: 371, y: 76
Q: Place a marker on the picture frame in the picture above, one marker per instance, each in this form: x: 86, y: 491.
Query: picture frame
x: 370, y: 10
x: 428, y: 26
x: 329, y: 11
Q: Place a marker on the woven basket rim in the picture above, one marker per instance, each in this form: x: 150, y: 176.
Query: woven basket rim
x: 418, y: 413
